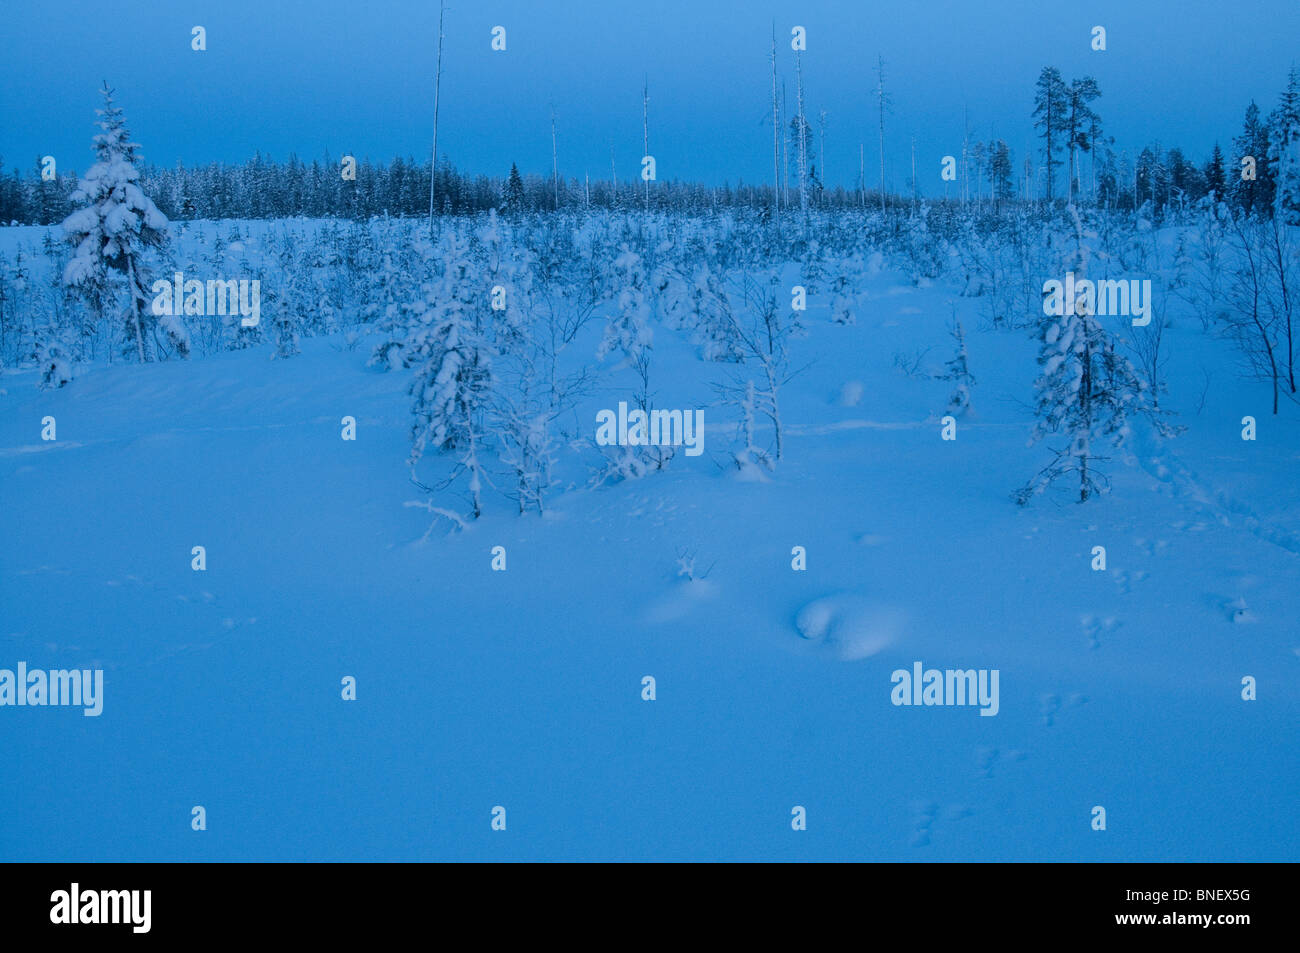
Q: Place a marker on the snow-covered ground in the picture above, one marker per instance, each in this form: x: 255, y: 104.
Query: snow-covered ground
x: 477, y: 688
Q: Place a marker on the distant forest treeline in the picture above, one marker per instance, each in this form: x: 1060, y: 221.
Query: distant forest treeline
x: 263, y: 188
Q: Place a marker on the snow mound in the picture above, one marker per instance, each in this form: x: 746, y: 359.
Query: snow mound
x: 684, y: 598
x: 851, y: 394
x: 848, y: 626
x: 1238, y: 612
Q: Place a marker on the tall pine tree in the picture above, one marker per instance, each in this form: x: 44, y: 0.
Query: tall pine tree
x: 1051, y: 105
x: 1215, y: 177
x: 1253, y: 177
x: 514, y: 193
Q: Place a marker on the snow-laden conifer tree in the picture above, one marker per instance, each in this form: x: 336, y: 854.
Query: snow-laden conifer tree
x: 847, y: 276
x: 628, y: 328
x: 958, y: 371
x: 751, y: 459
x: 116, y: 226
x: 453, y: 378
x: 15, y: 315
x: 715, y: 328
x: 668, y: 287
x: 389, y: 289
x: 507, y: 277
x: 55, y: 361
x: 812, y: 268
x: 1284, y: 152
x: 925, y: 250
x: 1087, y: 388
x: 513, y: 199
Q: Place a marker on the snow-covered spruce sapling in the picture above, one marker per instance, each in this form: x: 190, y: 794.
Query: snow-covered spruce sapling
x: 55, y: 364
x: 507, y: 268
x: 812, y: 269
x: 846, y: 278
x: 628, y: 328
x: 284, y: 303
x: 453, y: 378
x: 1087, y: 389
x: 957, y: 370
x: 710, y: 313
x: 116, y: 226
x: 745, y: 398
x: 1284, y: 152
x: 11, y: 325
x: 924, y: 249
x: 628, y: 331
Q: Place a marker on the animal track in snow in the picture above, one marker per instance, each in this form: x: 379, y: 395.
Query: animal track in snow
x: 1093, y: 627
x: 1124, y: 579
x: 924, y: 815
x: 1049, y: 705
x: 987, y: 758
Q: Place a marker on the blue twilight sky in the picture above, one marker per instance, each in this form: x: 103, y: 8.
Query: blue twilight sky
x: 357, y: 76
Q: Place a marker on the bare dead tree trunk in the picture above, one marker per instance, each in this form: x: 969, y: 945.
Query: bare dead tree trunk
x: 645, y: 136
x: 803, y: 145
x: 1280, y: 262
x: 437, y: 83
x: 821, y: 146
x: 785, y: 154
x: 913, y: 175
x: 776, y: 133
x: 1256, y: 293
x: 862, y: 174
x: 555, y: 163
x: 881, y: 100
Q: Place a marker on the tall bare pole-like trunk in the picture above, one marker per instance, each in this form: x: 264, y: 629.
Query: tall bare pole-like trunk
x: 803, y: 144
x: 613, y: 170
x: 645, y: 135
x: 785, y: 154
x: 965, y: 156
x: 914, y: 175
x: 776, y: 133
x: 881, y: 102
x: 862, y: 174
x: 437, y: 83
x: 821, y: 145
x: 555, y: 163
